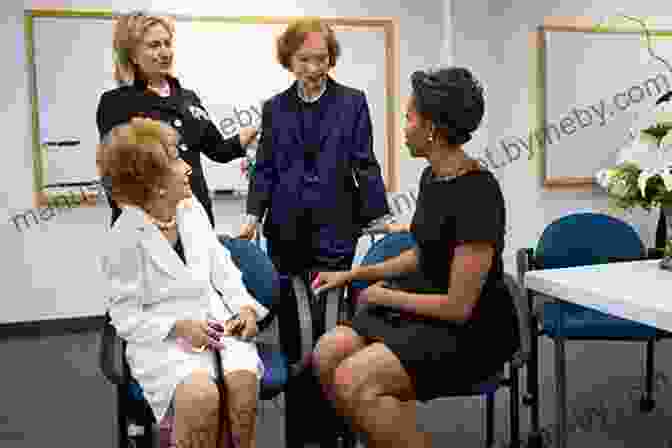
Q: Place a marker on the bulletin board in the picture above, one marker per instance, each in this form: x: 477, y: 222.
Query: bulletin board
x: 590, y: 82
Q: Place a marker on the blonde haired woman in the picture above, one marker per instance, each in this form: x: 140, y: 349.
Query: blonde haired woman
x: 144, y: 62
x: 176, y: 295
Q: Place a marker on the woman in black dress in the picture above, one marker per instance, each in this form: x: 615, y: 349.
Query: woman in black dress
x: 144, y: 64
x: 439, y: 316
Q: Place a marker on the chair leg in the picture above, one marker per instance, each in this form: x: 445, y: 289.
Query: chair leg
x: 122, y: 424
x: 514, y: 407
x: 489, y: 419
x: 531, y: 398
x: 647, y: 402
x: 292, y: 440
x: 560, y: 394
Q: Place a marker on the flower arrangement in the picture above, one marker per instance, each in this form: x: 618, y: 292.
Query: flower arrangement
x: 643, y: 176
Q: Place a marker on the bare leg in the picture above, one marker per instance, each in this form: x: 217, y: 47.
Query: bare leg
x: 197, y: 418
x: 242, y: 388
x: 376, y: 392
x: 331, y: 350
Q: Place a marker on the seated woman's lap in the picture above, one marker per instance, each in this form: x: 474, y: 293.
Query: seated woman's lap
x: 437, y: 360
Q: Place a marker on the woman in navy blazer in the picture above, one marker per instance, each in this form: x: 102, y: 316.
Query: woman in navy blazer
x: 316, y: 179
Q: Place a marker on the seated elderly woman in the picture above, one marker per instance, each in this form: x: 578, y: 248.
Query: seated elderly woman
x: 176, y: 295
x: 440, y: 316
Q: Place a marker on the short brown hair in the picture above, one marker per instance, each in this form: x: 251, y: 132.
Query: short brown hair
x: 129, y: 31
x: 133, y: 159
x: 295, y: 34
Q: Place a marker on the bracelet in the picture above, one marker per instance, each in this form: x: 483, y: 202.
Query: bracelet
x: 251, y: 219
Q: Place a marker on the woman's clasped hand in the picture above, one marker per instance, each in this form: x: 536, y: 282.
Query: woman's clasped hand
x: 199, y: 335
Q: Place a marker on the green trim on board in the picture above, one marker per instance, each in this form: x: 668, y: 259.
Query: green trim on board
x: 38, y: 157
x: 537, y: 102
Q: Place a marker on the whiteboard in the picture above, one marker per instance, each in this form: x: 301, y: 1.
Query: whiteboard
x: 613, y: 73
x: 73, y: 67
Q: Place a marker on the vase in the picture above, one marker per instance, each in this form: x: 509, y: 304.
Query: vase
x: 666, y: 262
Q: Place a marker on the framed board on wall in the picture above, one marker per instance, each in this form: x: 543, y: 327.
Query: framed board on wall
x: 590, y: 82
x: 70, y: 65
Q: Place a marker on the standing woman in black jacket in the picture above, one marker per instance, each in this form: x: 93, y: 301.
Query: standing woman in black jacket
x: 144, y: 61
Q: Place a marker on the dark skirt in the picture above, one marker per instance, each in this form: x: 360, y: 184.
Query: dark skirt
x: 440, y: 357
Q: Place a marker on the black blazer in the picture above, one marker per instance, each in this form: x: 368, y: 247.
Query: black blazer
x: 341, y: 170
x: 185, y: 113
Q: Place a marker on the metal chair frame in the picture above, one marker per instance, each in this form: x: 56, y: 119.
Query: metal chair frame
x: 526, y: 261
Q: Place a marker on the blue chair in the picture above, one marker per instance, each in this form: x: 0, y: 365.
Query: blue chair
x: 392, y: 245
x: 262, y: 282
x: 577, y: 240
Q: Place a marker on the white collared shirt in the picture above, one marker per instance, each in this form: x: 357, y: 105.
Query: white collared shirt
x: 302, y: 95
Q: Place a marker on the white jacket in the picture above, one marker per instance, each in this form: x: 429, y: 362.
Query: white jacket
x: 151, y: 288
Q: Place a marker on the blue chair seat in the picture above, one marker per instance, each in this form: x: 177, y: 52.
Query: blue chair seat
x: 568, y: 320
x: 276, y: 373
x: 383, y: 249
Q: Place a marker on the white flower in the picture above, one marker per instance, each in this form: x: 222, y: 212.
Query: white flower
x: 602, y: 177
x: 667, y: 180
x: 642, y: 152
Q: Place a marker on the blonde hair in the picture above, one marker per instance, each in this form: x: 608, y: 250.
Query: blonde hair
x: 129, y: 31
x: 134, y: 159
x: 291, y: 40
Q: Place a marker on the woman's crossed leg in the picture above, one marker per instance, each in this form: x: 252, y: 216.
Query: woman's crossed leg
x: 368, y: 384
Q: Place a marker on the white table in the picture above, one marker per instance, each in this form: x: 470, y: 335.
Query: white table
x: 637, y: 290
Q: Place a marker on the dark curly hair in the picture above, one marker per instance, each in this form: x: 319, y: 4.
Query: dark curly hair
x: 452, y: 99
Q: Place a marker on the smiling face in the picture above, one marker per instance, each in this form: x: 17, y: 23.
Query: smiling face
x: 416, y: 131
x: 310, y: 63
x: 177, y: 180
x: 154, y: 55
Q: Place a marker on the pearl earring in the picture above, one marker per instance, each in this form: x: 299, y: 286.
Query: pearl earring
x: 162, y: 192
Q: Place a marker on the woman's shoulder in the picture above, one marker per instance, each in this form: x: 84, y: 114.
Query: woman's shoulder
x: 481, y: 186
x: 117, y: 93
x: 347, y: 91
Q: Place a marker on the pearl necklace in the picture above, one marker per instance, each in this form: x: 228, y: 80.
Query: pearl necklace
x: 165, y: 225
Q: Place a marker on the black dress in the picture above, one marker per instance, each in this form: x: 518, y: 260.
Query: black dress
x: 184, y: 112
x: 442, y: 356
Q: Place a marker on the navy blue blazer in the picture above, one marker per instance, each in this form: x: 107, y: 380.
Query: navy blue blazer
x: 316, y: 197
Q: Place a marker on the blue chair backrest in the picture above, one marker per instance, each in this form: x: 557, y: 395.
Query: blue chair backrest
x: 259, y: 275
x: 583, y: 239
x: 389, y: 246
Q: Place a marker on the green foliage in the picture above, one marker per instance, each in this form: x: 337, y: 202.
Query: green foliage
x: 658, y: 131
x: 628, y: 195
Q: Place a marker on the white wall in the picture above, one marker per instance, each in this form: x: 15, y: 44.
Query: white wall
x: 491, y: 38
x: 50, y: 269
